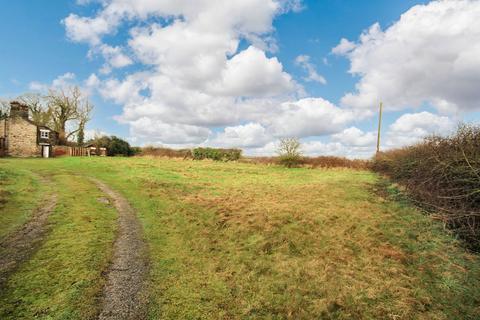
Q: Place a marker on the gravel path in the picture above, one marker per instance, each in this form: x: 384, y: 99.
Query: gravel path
x: 21, y: 244
x: 123, y: 294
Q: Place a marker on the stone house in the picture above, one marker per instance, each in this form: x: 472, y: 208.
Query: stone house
x: 20, y: 137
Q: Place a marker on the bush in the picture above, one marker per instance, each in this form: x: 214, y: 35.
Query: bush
x: 289, y: 152
x: 216, y: 154
x: 442, y: 174
x: 115, y: 146
x: 165, y: 152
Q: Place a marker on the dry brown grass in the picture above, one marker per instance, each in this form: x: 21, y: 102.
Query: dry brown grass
x: 316, y: 162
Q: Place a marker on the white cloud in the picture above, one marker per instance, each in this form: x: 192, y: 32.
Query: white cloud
x: 61, y: 82
x: 114, y: 57
x: 250, y: 73
x: 312, y: 75
x: 354, y: 137
x: 250, y: 135
x: 308, y: 117
x: 429, y: 56
x: 345, y: 46
x: 413, y: 127
x: 165, y: 133
x: 194, y: 76
x: 82, y: 29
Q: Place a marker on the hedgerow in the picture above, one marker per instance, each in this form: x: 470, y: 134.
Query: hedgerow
x: 442, y: 174
x: 216, y: 154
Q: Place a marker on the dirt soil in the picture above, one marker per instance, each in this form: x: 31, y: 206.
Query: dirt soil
x: 123, y: 294
x: 21, y: 244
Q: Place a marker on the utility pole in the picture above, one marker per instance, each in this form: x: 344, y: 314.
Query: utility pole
x: 379, y: 126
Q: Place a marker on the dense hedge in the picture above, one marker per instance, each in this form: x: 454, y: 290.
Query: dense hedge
x: 165, y: 152
x: 216, y: 154
x: 442, y: 174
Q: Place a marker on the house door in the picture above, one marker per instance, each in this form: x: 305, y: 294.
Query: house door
x: 46, y: 151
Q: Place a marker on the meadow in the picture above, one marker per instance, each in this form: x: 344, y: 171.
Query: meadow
x: 235, y: 241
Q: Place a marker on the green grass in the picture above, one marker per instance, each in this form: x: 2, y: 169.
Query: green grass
x: 63, y: 279
x: 243, y: 241
x: 15, y: 206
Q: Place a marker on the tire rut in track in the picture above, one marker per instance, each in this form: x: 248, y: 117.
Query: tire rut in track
x: 20, y: 245
x: 124, y: 294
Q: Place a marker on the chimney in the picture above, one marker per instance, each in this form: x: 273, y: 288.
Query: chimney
x: 18, y: 110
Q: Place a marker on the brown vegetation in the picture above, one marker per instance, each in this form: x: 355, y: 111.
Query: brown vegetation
x: 317, y: 162
x: 442, y: 174
x: 164, y: 152
x: 312, y: 162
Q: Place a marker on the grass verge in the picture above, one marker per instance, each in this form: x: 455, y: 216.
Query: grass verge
x: 63, y: 279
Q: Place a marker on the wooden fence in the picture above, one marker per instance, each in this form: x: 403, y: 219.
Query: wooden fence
x: 59, y: 151
x: 79, y: 152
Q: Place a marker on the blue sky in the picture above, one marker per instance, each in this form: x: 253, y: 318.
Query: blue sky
x: 245, y: 84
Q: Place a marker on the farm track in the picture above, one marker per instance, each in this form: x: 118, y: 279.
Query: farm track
x: 123, y: 294
x: 20, y: 245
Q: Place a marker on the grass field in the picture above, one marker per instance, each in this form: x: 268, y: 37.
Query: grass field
x: 235, y: 241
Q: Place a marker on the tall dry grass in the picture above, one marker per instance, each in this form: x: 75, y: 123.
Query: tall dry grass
x: 442, y: 174
x: 317, y: 162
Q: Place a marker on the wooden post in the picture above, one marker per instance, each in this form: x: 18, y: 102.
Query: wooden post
x: 379, y: 126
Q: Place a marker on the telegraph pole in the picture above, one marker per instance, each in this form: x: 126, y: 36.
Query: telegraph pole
x: 379, y: 126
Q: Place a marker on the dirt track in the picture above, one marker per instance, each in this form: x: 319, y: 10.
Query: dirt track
x: 123, y: 294
x: 21, y: 244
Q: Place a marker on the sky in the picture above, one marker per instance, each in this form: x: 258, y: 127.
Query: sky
x: 246, y: 73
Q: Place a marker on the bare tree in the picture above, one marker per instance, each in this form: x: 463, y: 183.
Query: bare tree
x: 40, y: 113
x: 68, y: 106
x: 289, y: 152
x: 84, y: 115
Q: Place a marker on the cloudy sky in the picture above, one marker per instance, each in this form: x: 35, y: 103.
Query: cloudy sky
x: 245, y: 73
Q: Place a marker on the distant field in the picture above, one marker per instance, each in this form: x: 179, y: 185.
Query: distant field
x: 234, y: 241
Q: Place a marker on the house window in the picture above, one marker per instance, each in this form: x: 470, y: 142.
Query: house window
x: 44, y: 134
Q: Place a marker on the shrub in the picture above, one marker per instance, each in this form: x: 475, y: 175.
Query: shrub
x: 164, y: 152
x: 442, y: 174
x: 115, y: 146
x: 289, y: 152
x: 216, y: 154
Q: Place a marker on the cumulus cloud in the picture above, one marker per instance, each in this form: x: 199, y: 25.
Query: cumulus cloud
x: 194, y: 75
x: 354, y: 137
x: 344, y: 47
x: 308, y: 117
x: 250, y: 135
x: 413, y: 127
x: 166, y: 133
x: 429, y: 56
x: 304, y: 62
x: 194, y: 84
x: 61, y: 82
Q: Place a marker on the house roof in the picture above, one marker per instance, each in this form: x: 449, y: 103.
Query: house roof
x: 43, y: 127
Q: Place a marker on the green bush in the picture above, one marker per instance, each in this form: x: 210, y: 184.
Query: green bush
x: 289, y: 152
x: 216, y: 154
x: 442, y: 174
x: 115, y: 146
